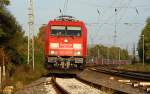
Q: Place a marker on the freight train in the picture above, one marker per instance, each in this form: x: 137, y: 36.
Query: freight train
x: 65, y: 43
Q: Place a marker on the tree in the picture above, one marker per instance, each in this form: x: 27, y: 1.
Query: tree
x: 39, y: 46
x: 41, y: 37
x: 11, y: 35
x: 4, y: 2
x: 100, y: 51
x: 146, y: 33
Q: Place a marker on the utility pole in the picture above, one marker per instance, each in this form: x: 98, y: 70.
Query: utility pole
x: 107, y: 54
x: 134, y: 57
x: 31, y: 30
x: 4, y: 74
x: 115, y: 32
x: 0, y: 78
x: 1, y: 69
x: 3, y: 66
x: 143, y: 48
x: 119, y: 54
x: 98, y: 55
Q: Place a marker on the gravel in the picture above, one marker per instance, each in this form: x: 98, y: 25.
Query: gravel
x: 109, y: 81
x: 41, y: 86
x: 76, y: 87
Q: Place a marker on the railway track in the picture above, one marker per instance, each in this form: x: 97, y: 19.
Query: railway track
x: 46, y: 85
x: 54, y: 85
x: 42, y: 86
x: 123, y: 73
x: 77, y: 85
x: 139, y: 80
x: 74, y: 86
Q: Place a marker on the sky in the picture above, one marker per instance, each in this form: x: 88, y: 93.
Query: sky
x: 129, y: 19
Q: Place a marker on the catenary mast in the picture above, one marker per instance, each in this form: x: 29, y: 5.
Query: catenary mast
x: 31, y: 30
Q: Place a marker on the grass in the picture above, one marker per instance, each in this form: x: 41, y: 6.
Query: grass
x: 136, y: 67
x: 24, y: 75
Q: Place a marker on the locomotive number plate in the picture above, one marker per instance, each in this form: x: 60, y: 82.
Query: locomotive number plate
x: 65, y: 45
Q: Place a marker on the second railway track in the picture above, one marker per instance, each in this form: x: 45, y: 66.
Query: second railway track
x: 138, y: 80
x: 123, y: 73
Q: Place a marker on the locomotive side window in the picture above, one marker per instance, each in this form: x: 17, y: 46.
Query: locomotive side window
x: 73, y: 31
x: 58, y: 30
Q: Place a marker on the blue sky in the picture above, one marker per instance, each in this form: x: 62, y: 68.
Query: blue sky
x: 86, y: 10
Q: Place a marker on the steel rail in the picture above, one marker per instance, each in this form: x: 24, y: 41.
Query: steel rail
x: 123, y: 73
x: 58, y: 87
x: 98, y: 86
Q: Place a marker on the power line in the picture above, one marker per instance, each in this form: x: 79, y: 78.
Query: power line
x: 110, y: 17
x: 116, y: 10
x: 124, y: 12
x: 100, y: 13
x: 125, y: 23
x: 102, y: 6
x: 65, y: 7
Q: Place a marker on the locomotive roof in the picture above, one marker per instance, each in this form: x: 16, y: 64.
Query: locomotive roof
x: 66, y: 18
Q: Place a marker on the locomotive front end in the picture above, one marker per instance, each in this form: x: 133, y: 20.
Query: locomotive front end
x: 66, y: 44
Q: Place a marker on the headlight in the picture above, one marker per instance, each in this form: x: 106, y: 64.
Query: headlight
x: 52, y: 52
x: 77, y: 46
x: 54, y: 45
x: 78, y: 53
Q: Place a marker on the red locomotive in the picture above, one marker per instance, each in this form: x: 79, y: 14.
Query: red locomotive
x: 65, y: 43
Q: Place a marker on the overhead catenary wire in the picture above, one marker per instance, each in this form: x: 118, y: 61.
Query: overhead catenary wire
x: 110, y: 17
x: 122, y: 8
x: 65, y: 7
x: 101, y: 25
x: 100, y: 13
x: 125, y: 23
x: 125, y: 10
x: 103, y: 13
x: 119, y: 7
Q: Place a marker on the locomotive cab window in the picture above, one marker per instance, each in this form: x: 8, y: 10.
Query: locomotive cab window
x: 73, y: 31
x: 65, y: 31
x: 58, y: 30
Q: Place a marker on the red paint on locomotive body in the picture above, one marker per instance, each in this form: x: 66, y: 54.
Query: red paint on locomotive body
x: 66, y: 39
x: 66, y: 45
